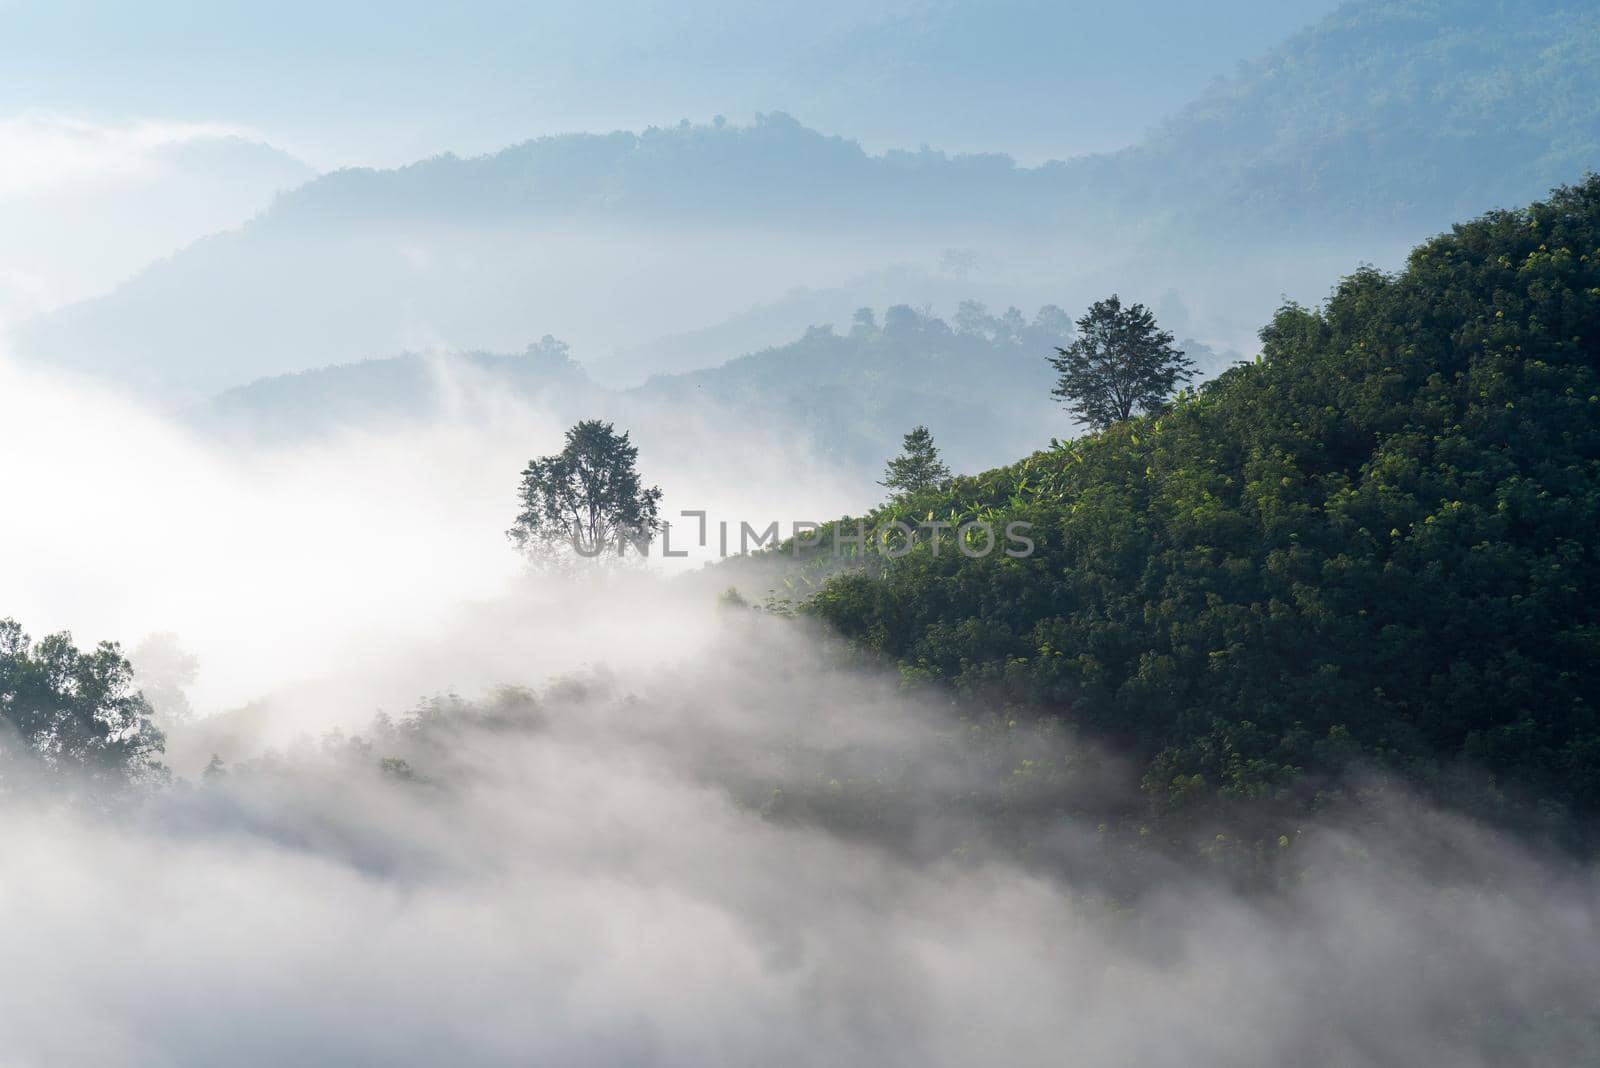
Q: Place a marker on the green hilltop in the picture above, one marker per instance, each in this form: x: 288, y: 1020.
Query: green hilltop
x: 1372, y: 548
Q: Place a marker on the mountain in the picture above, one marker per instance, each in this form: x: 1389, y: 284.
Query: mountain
x: 968, y: 74
x: 1371, y: 548
x: 1357, y: 137
x: 961, y: 275
x: 84, y: 206
x: 410, y: 388
x: 603, y: 240
x: 1386, y: 117
x: 848, y: 398
x: 842, y: 395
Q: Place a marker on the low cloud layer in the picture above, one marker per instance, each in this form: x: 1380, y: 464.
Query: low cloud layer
x: 697, y: 835
x: 280, y: 564
x: 84, y: 204
x: 755, y: 853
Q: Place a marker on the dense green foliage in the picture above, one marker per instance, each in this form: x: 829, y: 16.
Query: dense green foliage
x: 65, y: 711
x: 1375, y: 545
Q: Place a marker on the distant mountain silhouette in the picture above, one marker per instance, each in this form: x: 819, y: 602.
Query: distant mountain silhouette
x: 1368, y: 131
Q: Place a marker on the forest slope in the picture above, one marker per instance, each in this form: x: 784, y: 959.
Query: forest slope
x: 1373, y: 546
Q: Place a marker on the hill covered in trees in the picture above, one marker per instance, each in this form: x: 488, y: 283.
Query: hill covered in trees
x: 842, y: 393
x: 978, y: 381
x: 1371, y: 548
x: 1384, y: 118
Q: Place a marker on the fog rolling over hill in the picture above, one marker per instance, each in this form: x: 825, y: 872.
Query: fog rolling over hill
x: 605, y: 241
x: 85, y: 204
x: 959, y: 809
x: 1355, y: 138
x: 842, y: 395
x: 754, y: 852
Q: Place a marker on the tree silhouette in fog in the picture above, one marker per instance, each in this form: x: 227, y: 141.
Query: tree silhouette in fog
x: 587, y: 498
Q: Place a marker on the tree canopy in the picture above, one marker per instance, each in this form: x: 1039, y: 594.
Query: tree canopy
x: 71, y: 712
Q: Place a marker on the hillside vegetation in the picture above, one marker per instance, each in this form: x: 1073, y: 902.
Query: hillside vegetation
x: 1374, y: 546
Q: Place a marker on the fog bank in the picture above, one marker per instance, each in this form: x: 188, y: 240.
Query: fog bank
x: 755, y: 852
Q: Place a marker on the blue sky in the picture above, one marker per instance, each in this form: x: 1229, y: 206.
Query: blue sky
x: 366, y: 82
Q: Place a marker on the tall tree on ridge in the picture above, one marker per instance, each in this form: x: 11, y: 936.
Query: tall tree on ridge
x: 919, y: 467
x: 1121, y: 363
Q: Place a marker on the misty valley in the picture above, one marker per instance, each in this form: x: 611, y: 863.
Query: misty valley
x: 494, y: 571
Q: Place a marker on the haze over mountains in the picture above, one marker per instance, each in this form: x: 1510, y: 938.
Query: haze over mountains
x: 842, y: 397
x: 1035, y: 79
x: 1368, y: 131
x: 1387, y: 119
x: 83, y: 205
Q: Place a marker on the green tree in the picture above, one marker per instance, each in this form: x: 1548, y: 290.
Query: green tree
x: 1120, y: 364
x: 588, y: 497
x: 918, y: 467
x: 73, y: 711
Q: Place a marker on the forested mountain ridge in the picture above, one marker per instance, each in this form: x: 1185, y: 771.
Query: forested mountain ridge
x: 773, y: 170
x: 1385, y: 117
x: 1380, y: 114
x: 843, y: 392
x: 1370, y: 130
x: 1372, y: 547
x: 981, y: 379
x: 407, y: 388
